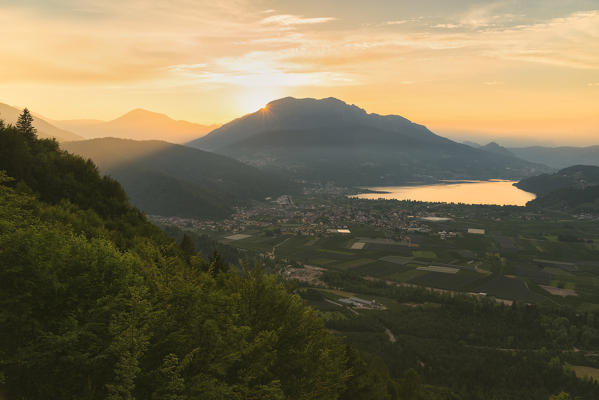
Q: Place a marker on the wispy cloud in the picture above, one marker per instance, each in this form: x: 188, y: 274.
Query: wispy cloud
x: 571, y: 41
x: 186, y: 67
x: 446, y: 26
x: 288, y: 20
x: 397, y: 22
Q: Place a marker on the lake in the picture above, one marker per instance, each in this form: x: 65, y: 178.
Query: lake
x: 498, y: 192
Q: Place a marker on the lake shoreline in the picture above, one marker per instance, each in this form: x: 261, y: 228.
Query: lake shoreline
x: 490, y: 192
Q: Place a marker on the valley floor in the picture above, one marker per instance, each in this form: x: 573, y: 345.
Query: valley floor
x: 407, y: 281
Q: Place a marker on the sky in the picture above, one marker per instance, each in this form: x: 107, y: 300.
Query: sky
x: 524, y: 71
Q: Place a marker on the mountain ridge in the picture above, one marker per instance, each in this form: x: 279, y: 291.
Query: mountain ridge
x: 494, y: 147
x: 139, y: 124
x: 558, y: 157
x: 45, y: 129
x: 314, y: 139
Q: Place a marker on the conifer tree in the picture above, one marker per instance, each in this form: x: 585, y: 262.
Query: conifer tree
x: 25, y: 125
x: 187, y: 246
x: 217, y: 264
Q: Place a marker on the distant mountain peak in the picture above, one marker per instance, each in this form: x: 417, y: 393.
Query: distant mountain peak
x: 141, y: 124
x: 330, y: 140
x: 143, y: 113
x: 326, y: 103
x: 308, y: 114
x: 494, y: 147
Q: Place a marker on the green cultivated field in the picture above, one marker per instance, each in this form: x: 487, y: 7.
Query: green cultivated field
x: 463, y: 280
x: 380, y: 269
x: 500, y: 263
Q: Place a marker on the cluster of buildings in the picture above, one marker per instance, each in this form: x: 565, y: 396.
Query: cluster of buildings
x: 357, y: 302
x: 316, y: 217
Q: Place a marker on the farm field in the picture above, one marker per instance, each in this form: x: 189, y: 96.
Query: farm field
x: 463, y: 280
x: 519, y: 259
x: 585, y: 372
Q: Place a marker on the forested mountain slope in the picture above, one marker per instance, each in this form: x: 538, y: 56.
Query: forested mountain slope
x: 96, y: 303
x: 575, y: 176
x: 575, y: 187
x: 167, y: 179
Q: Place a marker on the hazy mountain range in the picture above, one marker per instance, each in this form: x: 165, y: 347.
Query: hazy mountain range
x: 273, y: 131
x: 305, y: 139
x: 168, y: 179
x: 554, y: 157
x: 330, y: 140
x: 559, y: 157
x: 139, y: 124
x: 45, y: 129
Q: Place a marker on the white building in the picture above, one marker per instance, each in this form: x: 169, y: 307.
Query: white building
x: 475, y: 231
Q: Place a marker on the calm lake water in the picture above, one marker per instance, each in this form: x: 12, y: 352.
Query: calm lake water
x: 497, y: 192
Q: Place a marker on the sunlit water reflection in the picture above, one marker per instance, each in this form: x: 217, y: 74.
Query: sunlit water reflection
x: 496, y: 192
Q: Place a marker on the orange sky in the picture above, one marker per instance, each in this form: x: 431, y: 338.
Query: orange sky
x: 467, y: 68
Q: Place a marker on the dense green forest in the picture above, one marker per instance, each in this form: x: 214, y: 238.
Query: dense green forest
x: 97, y: 303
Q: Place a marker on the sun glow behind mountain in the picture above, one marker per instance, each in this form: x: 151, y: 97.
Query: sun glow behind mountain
x: 255, y: 100
x: 505, y: 68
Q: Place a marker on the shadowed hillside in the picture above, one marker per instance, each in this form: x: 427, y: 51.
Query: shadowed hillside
x: 579, y: 176
x: 167, y: 179
x: 574, y: 188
